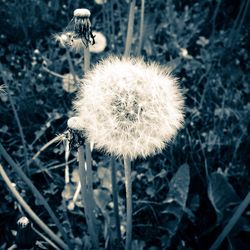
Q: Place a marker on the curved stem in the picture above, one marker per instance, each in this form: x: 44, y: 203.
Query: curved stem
x: 128, y: 184
x: 35, y: 191
x: 31, y: 213
x: 130, y: 28
x: 54, y: 140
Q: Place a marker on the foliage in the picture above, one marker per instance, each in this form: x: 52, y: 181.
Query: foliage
x: 207, y: 45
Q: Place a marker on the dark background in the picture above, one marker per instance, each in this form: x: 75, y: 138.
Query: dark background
x: 207, y: 44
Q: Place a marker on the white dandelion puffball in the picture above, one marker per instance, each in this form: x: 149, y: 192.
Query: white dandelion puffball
x: 129, y: 108
x: 100, y: 43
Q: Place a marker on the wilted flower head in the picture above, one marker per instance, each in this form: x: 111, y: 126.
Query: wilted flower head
x: 130, y: 108
x: 78, y: 33
x: 100, y: 43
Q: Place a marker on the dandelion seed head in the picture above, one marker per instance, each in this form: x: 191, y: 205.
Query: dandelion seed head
x: 130, y: 108
x: 100, y: 43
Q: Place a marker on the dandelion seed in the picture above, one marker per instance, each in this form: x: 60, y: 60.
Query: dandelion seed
x: 129, y: 108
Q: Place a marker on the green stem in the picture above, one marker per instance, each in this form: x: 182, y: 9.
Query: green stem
x: 130, y: 28
x: 128, y: 184
x: 31, y: 213
x: 141, y: 27
x: 231, y: 222
x: 85, y: 197
x: 115, y: 200
x: 35, y: 191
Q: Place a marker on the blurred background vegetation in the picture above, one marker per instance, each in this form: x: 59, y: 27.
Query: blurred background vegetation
x: 207, y: 45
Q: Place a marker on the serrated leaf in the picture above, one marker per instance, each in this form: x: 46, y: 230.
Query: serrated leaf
x: 221, y: 193
x: 175, y: 203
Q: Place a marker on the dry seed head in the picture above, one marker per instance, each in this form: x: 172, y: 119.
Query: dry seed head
x: 82, y: 13
x: 100, y: 43
x: 129, y: 108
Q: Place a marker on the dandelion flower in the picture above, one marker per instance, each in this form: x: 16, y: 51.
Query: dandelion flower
x: 100, y: 43
x: 129, y: 108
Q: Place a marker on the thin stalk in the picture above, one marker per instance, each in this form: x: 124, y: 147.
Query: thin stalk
x: 31, y: 213
x: 20, y: 128
x: 141, y: 27
x: 71, y: 67
x: 128, y: 185
x: 85, y: 197
x: 115, y: 200
x: 86, y: 60
x: 130, y: 28
x: 54, y: 140
x: 231, y: 222
x: 34, y: 190
x: 90, y: 179
x: 45, y: 238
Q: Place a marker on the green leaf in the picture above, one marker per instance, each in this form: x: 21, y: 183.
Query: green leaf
x: 221, y: 193
x: 175, y: 203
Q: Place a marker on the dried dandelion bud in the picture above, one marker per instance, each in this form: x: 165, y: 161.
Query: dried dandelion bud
x: 129, y: 108
x: 78, y: 33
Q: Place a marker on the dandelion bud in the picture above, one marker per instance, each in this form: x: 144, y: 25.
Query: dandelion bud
x: 26, y: 237
x: 129, y: 108
x: 74, y: 123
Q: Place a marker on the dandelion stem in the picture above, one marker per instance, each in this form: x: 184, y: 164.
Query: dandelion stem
x: 128, y: 184
x: 35, y: 191
x: 115, y: 200
x: 31, y: 213
x: 71, y: 67
x: 130, y: 28
x: 89, y: 191
x: 141, y: 27
x: 86, y: 60
x: 85, y: 198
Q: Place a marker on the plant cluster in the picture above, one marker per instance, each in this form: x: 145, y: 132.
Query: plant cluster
x: 64, y: 99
